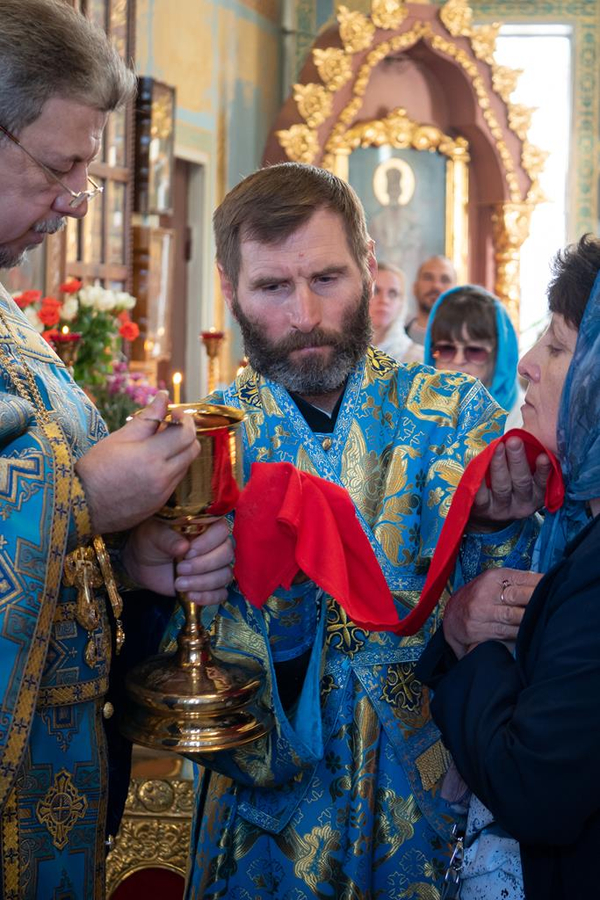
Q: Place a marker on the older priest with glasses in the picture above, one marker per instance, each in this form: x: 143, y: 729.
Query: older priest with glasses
x: 64, y: 482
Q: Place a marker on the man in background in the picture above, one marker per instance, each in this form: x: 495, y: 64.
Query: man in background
x: 434, y: 276
x: 63, y: 481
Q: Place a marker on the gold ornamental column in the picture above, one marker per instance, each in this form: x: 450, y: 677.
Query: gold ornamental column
x: 510, y: 228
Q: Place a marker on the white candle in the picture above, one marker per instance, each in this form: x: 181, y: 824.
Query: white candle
x: 177, y: 379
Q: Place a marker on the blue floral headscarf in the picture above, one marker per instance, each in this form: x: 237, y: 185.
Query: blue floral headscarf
x: 578, y: 433
x: 504, y: 381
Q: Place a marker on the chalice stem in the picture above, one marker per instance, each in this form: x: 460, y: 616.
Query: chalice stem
x: 193, y: 643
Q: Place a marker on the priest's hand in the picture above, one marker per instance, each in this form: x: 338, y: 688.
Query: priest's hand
x: 205, y: 568
x: 130, y: 474
x: 489, y: 608
x: 514, y: 492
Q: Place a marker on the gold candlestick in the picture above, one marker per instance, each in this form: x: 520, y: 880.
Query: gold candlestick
x: 190, y: 701
x: 66, y: 344
x: 212, y: 342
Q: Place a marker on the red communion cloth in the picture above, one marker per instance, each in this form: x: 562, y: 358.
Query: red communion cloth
x: 288, y: 521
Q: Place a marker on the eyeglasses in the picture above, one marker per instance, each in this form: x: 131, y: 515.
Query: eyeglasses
x: 445, y: 352
x: 77, y: 197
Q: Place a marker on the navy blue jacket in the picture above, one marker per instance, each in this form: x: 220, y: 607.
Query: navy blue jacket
x: 525, y: 731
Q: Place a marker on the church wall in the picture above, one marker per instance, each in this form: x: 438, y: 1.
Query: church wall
x: 223, y: 57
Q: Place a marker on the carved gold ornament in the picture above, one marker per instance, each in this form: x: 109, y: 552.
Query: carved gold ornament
x: 401, y: 132
x: 388, y: 14
x: 314, y: 102
x: 300, y: 143
x: 61, y: 808
x: 356, y: 31
x: 504, y: 80
x: 334, y: 67
x: 483, y: 41
x: 457, y: 17
x: 510, y: 224
x: 519, y: 119
x: 533, y: 159
x: 155, y: 830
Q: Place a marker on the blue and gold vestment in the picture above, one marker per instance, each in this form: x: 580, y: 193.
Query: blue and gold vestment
x: 52, y: 745
x: 342, y: 798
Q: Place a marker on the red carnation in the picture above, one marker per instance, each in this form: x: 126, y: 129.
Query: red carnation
x: 49, y: 315
x: 70, y: 287
x: 129, y: 331
x: 27, y: 298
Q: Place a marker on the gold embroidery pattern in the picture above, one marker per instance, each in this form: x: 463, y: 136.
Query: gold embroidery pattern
x: 61, y: 808
x: 402, y: 690
x: 433, y: 765
x: 342, y: 634
x: 81, y: 512
x: 100, y: 868
x: 66, y: 694
x: 61, y: 462
x: 33, y: 668
x: 11, y: 869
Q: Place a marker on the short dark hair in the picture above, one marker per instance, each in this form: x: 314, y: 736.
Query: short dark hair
x: 48, y: 49
x: 574, y: 272
x: 468, y: 305
x: 272, y: 203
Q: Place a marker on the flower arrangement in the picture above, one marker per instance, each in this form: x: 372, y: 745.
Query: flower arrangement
x: 87, y: 328
x: 122, y: 394
x: 93, y: 318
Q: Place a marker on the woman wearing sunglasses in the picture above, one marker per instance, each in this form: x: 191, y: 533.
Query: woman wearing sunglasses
x: 470, y: 331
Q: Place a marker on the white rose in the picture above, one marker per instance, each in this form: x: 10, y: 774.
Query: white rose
x: 106, y: 300
x: 86, y: 296
x: 124, y: 300
x: 33, y: 318
x: 69, y: 309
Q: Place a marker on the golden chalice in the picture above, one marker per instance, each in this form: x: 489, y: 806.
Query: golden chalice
x: 189, y: 701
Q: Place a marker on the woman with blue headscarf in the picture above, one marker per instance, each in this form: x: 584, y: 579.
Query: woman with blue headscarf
x: 470, y: 331
x: 523, y: 728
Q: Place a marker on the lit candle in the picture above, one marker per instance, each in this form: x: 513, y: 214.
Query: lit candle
x: 177, y: 379
x: 65, y: 329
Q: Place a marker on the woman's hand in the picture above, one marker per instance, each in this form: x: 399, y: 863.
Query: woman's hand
x: 489, y: 608
x: 515, y: 492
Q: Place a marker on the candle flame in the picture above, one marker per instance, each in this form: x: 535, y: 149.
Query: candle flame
x: 65, y: 329
x: 177, y: 377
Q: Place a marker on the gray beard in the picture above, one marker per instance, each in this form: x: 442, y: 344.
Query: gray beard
x: 312, y: 376
x: 10, y: 258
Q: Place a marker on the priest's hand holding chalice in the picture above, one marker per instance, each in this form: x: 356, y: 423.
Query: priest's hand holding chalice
x: 190, y: 701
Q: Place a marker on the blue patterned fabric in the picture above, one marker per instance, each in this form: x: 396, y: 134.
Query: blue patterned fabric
x: 342, y: 797
x: 52, y: 747
x: 504, y: 381
x: 578, y: 437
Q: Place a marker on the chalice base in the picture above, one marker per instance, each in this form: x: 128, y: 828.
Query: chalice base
x: 193, y: 709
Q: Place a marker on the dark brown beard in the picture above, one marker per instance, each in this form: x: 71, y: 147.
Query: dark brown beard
x: 312, y: 376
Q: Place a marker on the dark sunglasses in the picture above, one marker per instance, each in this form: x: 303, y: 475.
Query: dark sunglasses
x: 445, y: 352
